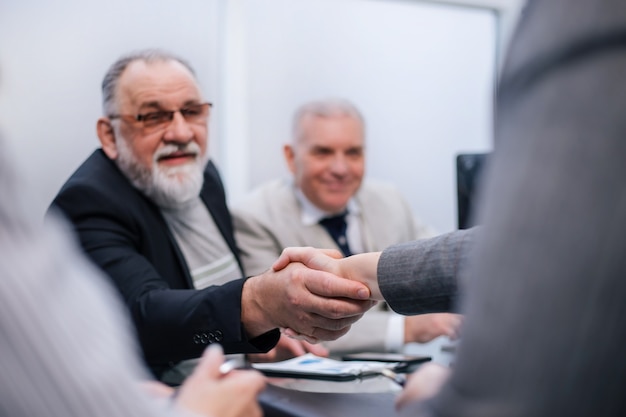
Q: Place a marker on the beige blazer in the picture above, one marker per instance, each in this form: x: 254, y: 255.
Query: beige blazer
x: 269, y: 219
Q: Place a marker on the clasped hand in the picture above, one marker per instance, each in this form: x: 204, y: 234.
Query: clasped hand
x: 303, y: 294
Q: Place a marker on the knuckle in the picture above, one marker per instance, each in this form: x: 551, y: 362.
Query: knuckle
x: 334, y: 334
x: 334, y: 311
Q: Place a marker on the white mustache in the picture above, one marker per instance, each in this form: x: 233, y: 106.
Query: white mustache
x: 191, y: 147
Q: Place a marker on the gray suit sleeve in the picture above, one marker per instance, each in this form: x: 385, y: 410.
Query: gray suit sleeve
x: 544, y: 329
x: 422, y: 276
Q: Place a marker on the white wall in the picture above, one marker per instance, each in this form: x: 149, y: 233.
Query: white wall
x: 251, y: 56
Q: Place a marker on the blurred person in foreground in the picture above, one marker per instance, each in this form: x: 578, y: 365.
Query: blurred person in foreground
x: 67, y: 348
x: 327, y: 204
x: 149, y: 209
x: 543, y: 280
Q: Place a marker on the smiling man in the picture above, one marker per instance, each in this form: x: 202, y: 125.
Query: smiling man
x: 149, y: 209
x: 327, y: 204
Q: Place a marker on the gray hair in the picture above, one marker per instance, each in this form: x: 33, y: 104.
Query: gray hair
x: 112, y: 76
x: 324, y: 108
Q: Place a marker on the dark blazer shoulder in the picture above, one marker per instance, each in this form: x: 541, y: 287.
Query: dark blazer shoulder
x: 98, y: 170
x: 98, y: 184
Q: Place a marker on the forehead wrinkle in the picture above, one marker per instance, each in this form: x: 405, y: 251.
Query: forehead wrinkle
x: 308, y: 121
x: 335, y: 142
x: 157, y: 85
x: 162, y: 97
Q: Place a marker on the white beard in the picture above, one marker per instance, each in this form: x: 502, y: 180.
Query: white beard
x: 167, y: 187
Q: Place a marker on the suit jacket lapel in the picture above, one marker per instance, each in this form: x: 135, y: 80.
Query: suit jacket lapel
x: 214, y: 198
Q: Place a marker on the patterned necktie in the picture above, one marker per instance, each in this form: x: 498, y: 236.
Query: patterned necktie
x: 336, y: 226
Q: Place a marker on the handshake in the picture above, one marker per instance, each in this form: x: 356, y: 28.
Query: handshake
x: 311, y: 294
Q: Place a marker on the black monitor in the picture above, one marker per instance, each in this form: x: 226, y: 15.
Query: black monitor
x: 468, y: 169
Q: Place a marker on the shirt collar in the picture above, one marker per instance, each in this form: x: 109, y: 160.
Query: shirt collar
x: 311, y: 214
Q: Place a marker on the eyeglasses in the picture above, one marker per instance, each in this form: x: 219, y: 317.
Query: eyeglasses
x: 193, y: 113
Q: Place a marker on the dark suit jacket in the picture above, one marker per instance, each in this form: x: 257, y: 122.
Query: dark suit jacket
x: 124, y: 233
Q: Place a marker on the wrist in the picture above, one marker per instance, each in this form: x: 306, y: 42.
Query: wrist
x: 253, y: 317
x: 363, y: 268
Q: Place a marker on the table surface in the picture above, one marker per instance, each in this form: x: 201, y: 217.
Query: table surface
x: 348, y: 400
x: 367, y: 397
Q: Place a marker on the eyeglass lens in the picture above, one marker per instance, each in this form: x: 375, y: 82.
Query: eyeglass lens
x: 196, y: 113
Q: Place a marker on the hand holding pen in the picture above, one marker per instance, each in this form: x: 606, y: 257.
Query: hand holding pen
x: 216, y: 388
x: 232, y: 364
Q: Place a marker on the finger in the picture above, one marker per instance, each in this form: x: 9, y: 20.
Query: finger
x: 323, y: 334
x: 424, y: 383
x: 289, y: 255
x: 306, y: 324
x: 403, y: 399
x: 311, y: 340
x: 249, y: 378
x: 316, y: 335
x: 292, y: 334
x: 253, y: 381
x: 210, y: 362
x: 306, y: 255
x: 295, y: 347
x: 333, y: 314
x: 454, y: 325
x: 455, y: 333
x: 328, y: 285
x: 316, y: 349
x: 247, y: 383
x: 300, y: 336
x: 312, y: 343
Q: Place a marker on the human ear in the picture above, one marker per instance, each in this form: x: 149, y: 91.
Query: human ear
x: 106, y: 134
x: 290, y: 157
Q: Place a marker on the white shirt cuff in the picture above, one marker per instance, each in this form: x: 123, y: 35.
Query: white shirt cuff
x: 394, y: 340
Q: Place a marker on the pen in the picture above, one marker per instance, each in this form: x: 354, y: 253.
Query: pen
x: 398, y: 379
x: 231, y: 364
x: 225, y: 368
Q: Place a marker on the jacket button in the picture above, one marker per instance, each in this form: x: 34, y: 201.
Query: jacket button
x: 201, y: 339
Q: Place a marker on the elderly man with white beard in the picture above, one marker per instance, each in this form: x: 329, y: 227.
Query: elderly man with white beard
x: 149, y: 209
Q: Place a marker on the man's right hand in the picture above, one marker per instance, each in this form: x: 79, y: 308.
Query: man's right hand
x: 316, y: 304
x: 425, y: 327
x: 361, y: 268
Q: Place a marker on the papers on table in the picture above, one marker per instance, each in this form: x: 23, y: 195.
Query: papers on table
x: 310, y: 366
